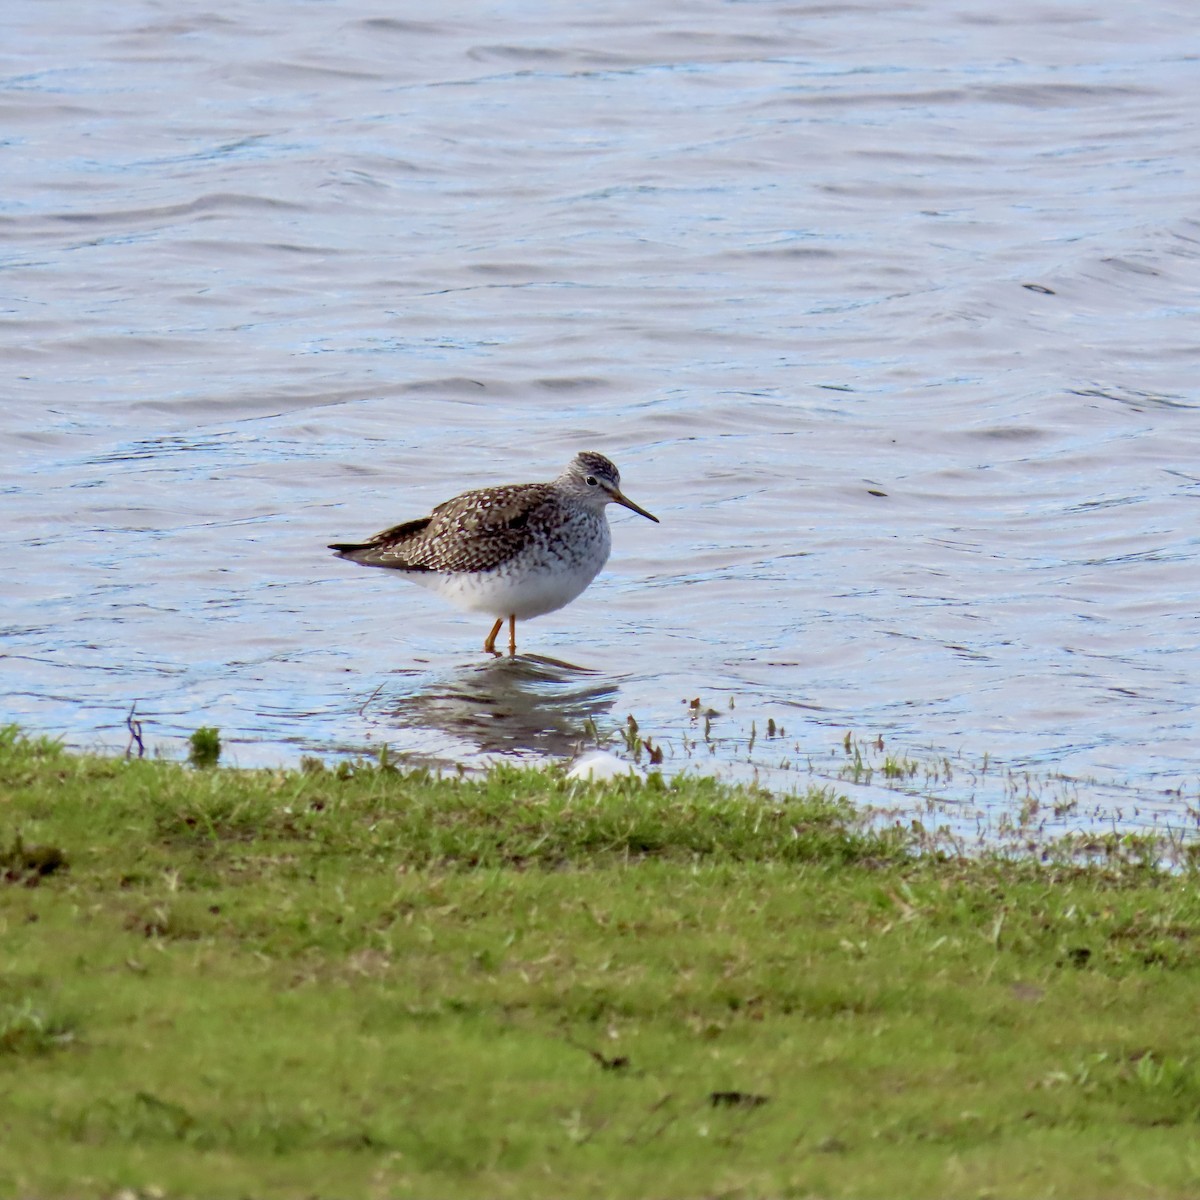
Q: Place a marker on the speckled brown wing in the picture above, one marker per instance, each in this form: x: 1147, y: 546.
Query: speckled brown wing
x: 473, y: 532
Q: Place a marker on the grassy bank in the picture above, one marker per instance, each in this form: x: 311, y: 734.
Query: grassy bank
x: 256, y: 984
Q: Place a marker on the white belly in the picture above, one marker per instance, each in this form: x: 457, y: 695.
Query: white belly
x: 539, y: 581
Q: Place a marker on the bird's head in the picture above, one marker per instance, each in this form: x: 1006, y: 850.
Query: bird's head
x: 596, y: 480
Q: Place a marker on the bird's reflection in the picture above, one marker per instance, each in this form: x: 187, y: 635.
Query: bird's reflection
x: 515, y: 705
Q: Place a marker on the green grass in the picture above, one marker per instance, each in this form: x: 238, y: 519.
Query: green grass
x: 370, y: 983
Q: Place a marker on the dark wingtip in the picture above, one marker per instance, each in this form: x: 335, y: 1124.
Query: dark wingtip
x: 345, y: 547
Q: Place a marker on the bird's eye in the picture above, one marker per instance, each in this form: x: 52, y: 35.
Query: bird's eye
x: 591, y: 481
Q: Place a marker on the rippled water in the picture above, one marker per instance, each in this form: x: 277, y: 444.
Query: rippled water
x: 888, y: 311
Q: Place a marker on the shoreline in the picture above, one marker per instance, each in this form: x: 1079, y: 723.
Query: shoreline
x: 362, y: 981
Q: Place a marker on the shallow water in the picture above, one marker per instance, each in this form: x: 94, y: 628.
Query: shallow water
x: 889, y: 313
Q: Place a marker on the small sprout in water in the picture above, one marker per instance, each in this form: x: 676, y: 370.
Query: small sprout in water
x: 770, y: 727
x: 135, y: 734
x: 847, y: 741
x: 898, y: 768
x: 205, y: 747
x: 633, y: 743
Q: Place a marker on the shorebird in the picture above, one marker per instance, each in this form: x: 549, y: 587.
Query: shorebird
x: 516, y: 551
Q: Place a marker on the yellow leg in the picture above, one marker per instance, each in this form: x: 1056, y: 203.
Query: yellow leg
x: 489, y: 646
x: 512, y: 636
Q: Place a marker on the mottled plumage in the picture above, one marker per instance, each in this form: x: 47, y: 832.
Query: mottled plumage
x: 519, y: 550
